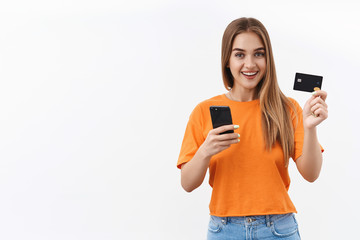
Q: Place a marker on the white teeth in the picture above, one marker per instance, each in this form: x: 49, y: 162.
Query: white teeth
x: 249, y: 73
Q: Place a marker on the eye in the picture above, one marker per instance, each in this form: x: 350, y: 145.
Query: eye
x: 240, y: 55
x: 259, y: 54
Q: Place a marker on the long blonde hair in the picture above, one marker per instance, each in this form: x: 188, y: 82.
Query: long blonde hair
x: 275, y: 115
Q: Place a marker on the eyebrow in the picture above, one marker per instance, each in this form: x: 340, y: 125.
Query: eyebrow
x: 242, y: 50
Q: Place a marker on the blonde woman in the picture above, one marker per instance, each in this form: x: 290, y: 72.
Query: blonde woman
x: 249, y: 168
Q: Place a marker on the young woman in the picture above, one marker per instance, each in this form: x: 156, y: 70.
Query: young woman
x: 249, y: 168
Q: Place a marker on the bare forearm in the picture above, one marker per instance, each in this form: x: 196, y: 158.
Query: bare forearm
x: 193, y: 172
x: 309, y: 164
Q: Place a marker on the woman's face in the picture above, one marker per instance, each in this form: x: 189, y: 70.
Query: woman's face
x: 247, y: 61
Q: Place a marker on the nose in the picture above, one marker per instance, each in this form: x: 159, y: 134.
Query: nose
x: 249, y: 62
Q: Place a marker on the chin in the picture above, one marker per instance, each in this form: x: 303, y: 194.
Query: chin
x: 250, y: 86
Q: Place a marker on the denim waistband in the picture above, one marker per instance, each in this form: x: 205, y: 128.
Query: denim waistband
x: 253, y: 220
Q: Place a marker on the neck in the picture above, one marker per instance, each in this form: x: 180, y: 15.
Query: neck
x: 242, y: 95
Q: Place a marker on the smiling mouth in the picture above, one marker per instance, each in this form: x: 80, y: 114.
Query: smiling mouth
x: 249, y: 73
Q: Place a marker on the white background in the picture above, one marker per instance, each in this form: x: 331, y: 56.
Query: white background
x: 95, y: 97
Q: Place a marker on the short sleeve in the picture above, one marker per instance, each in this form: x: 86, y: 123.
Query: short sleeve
x: 193, y: 137
x: 297, y: 120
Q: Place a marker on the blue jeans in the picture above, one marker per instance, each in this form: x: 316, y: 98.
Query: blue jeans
x: 282, y: 226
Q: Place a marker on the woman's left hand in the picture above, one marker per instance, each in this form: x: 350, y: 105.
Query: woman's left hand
x: 315, y: 110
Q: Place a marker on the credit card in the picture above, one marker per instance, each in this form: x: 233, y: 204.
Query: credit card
x: 307, y: 82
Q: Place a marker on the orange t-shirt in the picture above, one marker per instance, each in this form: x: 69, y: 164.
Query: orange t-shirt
x: 246, y: 178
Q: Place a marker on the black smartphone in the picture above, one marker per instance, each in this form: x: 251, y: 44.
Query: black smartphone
x: 307, y: 82
x: 221, y: 115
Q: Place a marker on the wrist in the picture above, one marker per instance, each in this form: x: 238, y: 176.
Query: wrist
x: 203, y: 154
x: 309, y: 127
x: 310, y: 131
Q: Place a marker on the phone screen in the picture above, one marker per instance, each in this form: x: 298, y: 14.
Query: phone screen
x: 221, y: 115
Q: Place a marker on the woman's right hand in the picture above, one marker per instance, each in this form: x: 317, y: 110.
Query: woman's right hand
x: 215, y: 143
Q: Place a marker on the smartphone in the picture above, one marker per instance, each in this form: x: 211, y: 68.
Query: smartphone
x: 221, y: 115
x: 307, y: 82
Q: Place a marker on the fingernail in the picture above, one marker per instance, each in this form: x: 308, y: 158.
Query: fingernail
x: 236, y: 126
x: 238, y: 135
x: 313, y: 93
x: 238, y: 140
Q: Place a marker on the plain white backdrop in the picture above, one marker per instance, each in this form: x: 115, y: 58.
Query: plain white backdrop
x: 95, y: 97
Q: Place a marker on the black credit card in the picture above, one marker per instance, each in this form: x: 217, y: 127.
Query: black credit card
x: 307, y: 82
